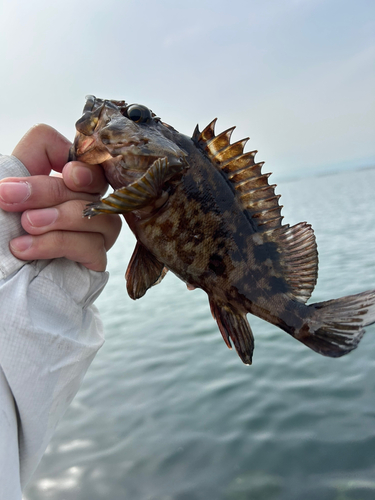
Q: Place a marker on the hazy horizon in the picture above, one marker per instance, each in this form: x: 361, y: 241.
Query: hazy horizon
x: 297, y: 76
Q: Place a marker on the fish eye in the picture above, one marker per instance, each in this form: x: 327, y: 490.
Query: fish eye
x: 138, y: 113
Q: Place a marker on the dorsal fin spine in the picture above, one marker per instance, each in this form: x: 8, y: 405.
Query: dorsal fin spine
x: 272, y: 223
x: 273, y: 199
x: 230, y: 152
x: 247, y: 171
x: 253, y: 180
x: 225, y: 135
x: 208, y: 132
x: 268, y: 211
x: 257, y: 191
x: 196, y: 134
x: 219, y: 142
x: 266, y: 204
x: 240, y: 162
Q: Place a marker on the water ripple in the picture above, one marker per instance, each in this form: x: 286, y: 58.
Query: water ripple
x: 166, y: 412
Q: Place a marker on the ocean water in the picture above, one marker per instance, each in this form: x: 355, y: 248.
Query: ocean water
x: 167, y: 412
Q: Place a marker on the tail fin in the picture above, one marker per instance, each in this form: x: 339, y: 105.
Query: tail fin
x: 335, y: 327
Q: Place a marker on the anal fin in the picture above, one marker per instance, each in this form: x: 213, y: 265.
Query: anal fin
x: 234, y: 326
x: 143, y: 272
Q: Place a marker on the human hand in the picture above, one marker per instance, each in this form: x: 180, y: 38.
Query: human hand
x: 52, y: 206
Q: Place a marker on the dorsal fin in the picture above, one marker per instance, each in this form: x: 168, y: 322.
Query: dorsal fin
x: 206, y: 133
x: 296, y: 245
x: 299, y: 259
x: 257, y: 197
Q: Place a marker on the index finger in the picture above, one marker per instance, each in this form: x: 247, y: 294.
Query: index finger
x: 18, y: 194
x: 42, y: 149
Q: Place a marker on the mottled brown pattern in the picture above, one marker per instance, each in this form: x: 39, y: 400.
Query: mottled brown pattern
x: 203, y: 209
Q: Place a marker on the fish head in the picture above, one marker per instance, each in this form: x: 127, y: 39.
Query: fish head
x: 125, y: 138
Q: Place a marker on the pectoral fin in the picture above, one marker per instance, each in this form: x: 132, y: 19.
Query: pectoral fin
x: 144, y: 271
x: 234, y: 325
x: 141, y: 193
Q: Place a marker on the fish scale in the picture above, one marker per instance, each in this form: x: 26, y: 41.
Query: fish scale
x: 203, y: 209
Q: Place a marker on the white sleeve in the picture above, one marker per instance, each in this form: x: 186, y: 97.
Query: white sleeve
x: 49, y: 334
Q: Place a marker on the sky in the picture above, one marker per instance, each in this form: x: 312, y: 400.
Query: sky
x: 297, y: 76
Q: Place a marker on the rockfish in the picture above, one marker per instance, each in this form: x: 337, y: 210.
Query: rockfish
x: 202, y: 208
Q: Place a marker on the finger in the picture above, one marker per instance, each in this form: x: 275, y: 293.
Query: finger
x: 42, y: 149
x: 85, y: 248
x: 80, y: 176
x: 68, y: 217
x: 22, y: 193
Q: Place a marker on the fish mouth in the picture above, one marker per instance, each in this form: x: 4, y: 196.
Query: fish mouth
x: 105, y: 134
x: 88, y: 149
x: 86, y: 145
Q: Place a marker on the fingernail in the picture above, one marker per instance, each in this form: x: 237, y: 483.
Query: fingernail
x: 22, y: 243
x: 14, y: 192
x: 42, y: 217
x: 82, y: 176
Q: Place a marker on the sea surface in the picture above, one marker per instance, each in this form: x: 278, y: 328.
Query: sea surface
x: 167, y: 412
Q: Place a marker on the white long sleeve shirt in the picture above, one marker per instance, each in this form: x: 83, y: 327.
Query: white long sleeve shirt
x: 49, y: 334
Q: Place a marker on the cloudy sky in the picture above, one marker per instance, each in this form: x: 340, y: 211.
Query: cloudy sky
x: 297, y: 76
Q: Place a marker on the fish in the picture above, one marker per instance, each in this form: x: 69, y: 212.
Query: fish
x: 202, y: 208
